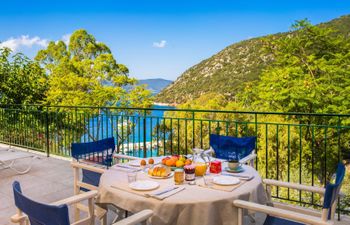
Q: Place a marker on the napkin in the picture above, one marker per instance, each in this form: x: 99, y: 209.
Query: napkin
x: 167, y: 194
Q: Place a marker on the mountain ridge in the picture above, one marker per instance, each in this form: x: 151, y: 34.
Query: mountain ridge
x: 226, y: 71
x: 155, y: 85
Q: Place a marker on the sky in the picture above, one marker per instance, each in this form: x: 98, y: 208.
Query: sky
x: 153, y: 38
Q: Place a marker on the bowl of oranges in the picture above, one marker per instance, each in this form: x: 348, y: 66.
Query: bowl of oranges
x: 176, y: 161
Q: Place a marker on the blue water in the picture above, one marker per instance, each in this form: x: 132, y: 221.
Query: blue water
x: 109, y: 123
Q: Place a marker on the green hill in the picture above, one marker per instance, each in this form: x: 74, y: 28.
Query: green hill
x: 227, y: 71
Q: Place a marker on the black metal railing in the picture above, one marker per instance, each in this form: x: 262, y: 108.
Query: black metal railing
x: 294, y: 147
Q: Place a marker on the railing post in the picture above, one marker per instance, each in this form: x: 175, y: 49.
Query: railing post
x: 256, y: 142
x: 144, y: 135
x: 47, y: 132
x: 193, y: 134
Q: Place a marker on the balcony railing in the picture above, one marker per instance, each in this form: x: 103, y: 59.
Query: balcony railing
x: 294, y: 147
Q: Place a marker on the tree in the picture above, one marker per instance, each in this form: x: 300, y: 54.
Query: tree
x: 309, y: 74
x: 86, y: 73
x: 22, y: 81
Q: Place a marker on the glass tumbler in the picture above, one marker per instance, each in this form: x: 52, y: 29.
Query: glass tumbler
x: 132, y: 177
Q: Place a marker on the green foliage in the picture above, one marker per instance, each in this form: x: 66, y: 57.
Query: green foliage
x: 22, y: 81
x: 310, y: 73
x: 86, y: 73
x: 228, y: 71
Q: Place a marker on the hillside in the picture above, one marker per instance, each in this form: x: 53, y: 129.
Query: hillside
x: 227, y: 71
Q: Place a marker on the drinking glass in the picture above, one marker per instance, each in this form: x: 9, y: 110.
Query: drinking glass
x: 179, y: 176
x: 208, y: 180
x: 132, y: 177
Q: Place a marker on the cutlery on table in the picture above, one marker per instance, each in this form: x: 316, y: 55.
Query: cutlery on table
x: 157, y: 193
x: 245, y: 177
x: 168, y: 193
x: 128, y: 167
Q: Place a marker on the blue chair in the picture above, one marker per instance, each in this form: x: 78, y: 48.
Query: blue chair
x: 95, y: 153
x: 98, y: 152
x: 57, y: 213
x: 90, y: 181
x: 48, y: 214
x: 294, y: 215
x: 234, y: 148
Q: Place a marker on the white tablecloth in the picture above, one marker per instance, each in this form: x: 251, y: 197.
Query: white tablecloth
x: 193, y: 206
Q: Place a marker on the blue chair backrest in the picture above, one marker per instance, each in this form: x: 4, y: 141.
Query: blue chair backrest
x: 332, y: 190
x: 232, y: 148
x: 39, y: 213
x: 100, y: 152
x: 90, y: 177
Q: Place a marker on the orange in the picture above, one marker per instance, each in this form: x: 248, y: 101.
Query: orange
x: 143, y: 162
x: 170, y: 162
x: 164, y: 160
x: 151, y: 161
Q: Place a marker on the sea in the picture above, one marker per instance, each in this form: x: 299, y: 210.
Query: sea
x: 106, y: 126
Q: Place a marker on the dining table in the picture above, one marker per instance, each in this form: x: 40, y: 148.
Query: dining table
x: 195, y: 204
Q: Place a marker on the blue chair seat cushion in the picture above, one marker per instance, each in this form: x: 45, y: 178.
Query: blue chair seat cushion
x: 270, y: 220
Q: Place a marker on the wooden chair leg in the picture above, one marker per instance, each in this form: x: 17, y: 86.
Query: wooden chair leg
x: 251, y: 218
x: 104, y: 220
x: 76, y: 192
x: 91, y: 211
x: 240, y: 216
x: 76, y: 212
x: 269, y: 198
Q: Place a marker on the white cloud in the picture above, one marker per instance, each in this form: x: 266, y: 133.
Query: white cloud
x: 65, y: 38
x: 16, y: 43
x: 160, y: 44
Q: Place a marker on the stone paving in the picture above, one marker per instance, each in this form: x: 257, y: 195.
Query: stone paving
x: 49, y: 180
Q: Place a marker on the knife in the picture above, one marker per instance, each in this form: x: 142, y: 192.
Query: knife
x: 166, y: 190
x: 239, y: 176
x: 127, y: 167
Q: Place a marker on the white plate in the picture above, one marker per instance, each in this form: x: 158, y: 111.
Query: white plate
x: 156, y: 177
x: 136, y: 163
x: 225, y: 180
x: 144, y: 185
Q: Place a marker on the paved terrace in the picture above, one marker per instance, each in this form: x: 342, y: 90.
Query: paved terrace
x: 49, y: 180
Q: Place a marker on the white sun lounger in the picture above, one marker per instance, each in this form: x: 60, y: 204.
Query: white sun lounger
x: 8, y: 158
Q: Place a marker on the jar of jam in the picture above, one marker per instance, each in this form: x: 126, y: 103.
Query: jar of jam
x: 190, y: 172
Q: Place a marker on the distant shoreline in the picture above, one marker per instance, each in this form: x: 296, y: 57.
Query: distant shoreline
x: 164, y: 104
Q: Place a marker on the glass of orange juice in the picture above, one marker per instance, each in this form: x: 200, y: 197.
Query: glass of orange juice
x: 200, y: 169
x: 179, y: 176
